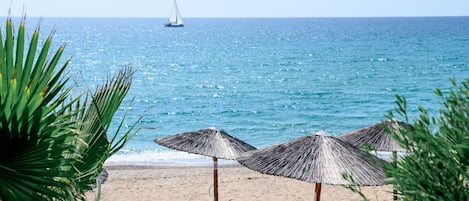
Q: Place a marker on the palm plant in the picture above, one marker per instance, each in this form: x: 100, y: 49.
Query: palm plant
x: 93, y: 121
x: 52, y: 145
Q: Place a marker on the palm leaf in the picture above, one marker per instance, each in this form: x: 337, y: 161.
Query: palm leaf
x: 32, y: 135
x: 53, y: 145
x: 97, y: 118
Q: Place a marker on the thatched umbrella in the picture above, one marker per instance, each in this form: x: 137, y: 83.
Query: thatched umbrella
x: 208, y: 142
x: 317, y: 158
x: 377, y: 138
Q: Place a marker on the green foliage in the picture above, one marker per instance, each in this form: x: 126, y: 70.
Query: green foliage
x: 93, y: 121
x: 353, y: 187
x: 436, y: 166
x: 52, y: 145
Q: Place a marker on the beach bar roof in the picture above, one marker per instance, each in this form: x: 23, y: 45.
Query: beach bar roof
x: 319, y: 159
x: 210, y: 142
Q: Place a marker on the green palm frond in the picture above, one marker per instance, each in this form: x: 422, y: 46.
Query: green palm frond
x: 32, y: 134
x: 96, y: 120
x: 52, y: 145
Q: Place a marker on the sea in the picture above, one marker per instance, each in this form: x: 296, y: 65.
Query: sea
x: 262, y: 80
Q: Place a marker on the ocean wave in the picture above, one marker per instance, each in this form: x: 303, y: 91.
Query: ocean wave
x: 178, y: 158
x: 162, y: 158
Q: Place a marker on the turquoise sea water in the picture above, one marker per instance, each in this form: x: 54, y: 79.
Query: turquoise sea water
x: 264, y: 81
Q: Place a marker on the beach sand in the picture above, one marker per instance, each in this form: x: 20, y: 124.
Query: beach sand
x: 236, y: 183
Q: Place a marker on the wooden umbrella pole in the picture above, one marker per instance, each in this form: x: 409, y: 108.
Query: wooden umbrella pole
x: 394, y: 161
x: 215, y: 178
x: 317, y: 191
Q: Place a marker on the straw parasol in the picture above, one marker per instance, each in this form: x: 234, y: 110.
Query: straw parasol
x: 377, y: 137
x: 210, y: 142
x: 317, y: 158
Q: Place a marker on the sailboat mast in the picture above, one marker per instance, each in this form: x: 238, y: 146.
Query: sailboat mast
x: 177, y: 12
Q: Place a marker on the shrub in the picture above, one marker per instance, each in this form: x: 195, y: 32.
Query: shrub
x: 436, y: 166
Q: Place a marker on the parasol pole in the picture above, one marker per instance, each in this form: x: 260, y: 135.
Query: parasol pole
x: 317, y: 191
x: 394, y: 161
x: 215, y: 179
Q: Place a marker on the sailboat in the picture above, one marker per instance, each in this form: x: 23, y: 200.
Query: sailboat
x: 174, y: 19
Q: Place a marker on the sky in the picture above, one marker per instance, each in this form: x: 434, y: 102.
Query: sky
x: 235, y: 8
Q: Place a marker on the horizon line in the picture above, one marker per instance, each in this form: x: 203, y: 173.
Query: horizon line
x: 240, y: 17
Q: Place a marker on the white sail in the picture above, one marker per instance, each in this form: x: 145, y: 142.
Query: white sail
x: 175, y: 17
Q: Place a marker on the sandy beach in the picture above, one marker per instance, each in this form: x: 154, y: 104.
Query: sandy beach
x: 236, y: 183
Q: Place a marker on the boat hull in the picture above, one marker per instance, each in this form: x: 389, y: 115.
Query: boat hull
x: 173, y: 25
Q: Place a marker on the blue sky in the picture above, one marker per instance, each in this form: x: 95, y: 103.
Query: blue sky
x: 236, y: 8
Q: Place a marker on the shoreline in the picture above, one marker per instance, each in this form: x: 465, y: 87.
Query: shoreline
x: 179, y: 159
x: 132, y: 167
x: 236, y: 183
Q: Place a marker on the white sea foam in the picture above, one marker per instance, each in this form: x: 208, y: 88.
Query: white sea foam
x: 177, y: 158
x: 163, y: 158
x: 387, y: 156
